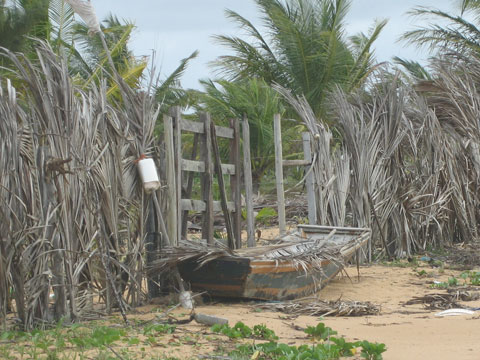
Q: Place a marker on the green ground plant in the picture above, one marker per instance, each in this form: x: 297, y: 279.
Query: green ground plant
x: 266, y: 216
x: 326, y: 346
x: 99, y: 341
x: 320, y: 332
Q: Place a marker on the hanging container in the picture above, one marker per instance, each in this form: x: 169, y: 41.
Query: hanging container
x: 148, y: 173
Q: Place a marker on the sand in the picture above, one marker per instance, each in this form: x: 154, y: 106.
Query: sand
x: 410, y: 332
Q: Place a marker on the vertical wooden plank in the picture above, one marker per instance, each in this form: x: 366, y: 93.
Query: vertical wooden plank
x: 171, y: 181
x: 177, y: 128
x: 236, y: 183
x: 221, y: 185
x: 277, y: 130
x: 309, y: 180
x: 189, y: 187
x: 151, y: 247
x: 207, y: 180
x: 247, y: 175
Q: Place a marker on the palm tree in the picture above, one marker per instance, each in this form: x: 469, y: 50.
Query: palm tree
x: 54, y: 21
x: 414, y: 69
x: 259, y: 103
x: 305, y: 48
x: 459, y: 36
x: 21, y: 19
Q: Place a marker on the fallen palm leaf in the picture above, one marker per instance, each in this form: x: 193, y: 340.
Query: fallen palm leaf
x: 442, y: 301
x: 315, y: 307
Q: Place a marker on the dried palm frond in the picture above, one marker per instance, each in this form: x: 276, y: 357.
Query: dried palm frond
x: 444, y: 301
x: 72, y: 217
x: 202, y: 253
x: 315, y: 307
x: 407, y: 164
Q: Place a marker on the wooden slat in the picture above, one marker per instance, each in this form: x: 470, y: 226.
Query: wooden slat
x: 189, y: 187
x: 193, y: 165
x: 277, y: 131
x: 236, y: 182
x: 197, y: 127
x: 199, y: 166
x: 309, y: 180
x: 192, y: 126
x: 193, y: 205
x: 224, y: 132
x: 297, y: 162
x: 228, y: 169
x: 199, y: 205
x: 176, y: 114
x: 223, y: 193
x: 207, y: 183
x: 247, y: 173
x: 171, y: 181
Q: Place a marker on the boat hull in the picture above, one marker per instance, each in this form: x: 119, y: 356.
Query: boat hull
x: 257, y: 279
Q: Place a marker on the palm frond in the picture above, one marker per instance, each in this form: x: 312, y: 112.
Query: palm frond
x: 62, y: 22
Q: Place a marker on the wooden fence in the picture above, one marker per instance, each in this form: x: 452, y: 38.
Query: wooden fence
x: 205, y: 159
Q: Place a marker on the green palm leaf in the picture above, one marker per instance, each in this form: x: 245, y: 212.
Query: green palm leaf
x: 303, y: 48
x: 62, y: 21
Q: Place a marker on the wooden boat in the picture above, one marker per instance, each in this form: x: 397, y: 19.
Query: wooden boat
x: 298, y: 266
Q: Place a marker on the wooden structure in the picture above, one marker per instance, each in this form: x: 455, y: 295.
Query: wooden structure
x: 309, y: 178
x: 266, y: 273
x: 205, y: 159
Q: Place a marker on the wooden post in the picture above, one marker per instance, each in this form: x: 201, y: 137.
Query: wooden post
x: 247, y: 173
x: 309, y: 180
x: 207, y: 180
x: 236, y: 183
x: 279, y: 174
x: 151, y: 247
x: 177, y: 119
x: 189, y: 187
x: 221, y: 185
x: 172, y: 217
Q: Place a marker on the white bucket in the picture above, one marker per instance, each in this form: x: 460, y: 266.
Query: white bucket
x: 148, y: 173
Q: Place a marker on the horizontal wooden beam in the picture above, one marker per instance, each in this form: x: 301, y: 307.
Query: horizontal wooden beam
x: 224, y: 132
x: 296, y: 163
x: 193, y: 165
x: 199, y: 205
x: 199, y: 166
x: 228, y: 169
x: 198, y: 127
x: 192, y: 126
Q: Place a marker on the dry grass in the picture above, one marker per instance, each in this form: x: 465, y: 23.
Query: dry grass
x: 71, y: 221
x: 407, y: 163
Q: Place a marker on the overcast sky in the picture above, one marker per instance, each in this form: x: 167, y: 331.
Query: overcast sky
x: 174, y: 29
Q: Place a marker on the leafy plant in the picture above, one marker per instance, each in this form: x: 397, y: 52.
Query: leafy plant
x: 472, y: 276
x: 101, y: 336
x: 421, y: 273
x: 451, y: 282
x: 266, y: 215
x: 346, y: 348
x: 372, y: 351
x: 320, y: 331
x: 261, y: 331
x: 159, y: 329
x: 238, y: 331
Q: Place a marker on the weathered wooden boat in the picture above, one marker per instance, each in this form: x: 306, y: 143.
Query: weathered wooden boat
x: 298, y: 266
